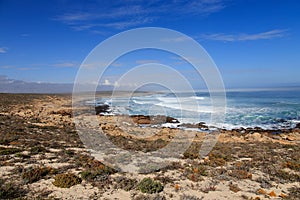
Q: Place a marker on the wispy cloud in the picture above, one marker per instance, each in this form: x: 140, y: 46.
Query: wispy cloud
x: 123, y: 14
x: 248, y: 70
x: 276, y: 33
x: 176, y: 39
x: 140, y: 62
x: 3, y: 49
x: 65, y: 64
x: 184, y: 60
x: 25, y: 35
x: 26, y: 68
x: 18, y: 68
x: 7, y: 67
x: 117, y: 64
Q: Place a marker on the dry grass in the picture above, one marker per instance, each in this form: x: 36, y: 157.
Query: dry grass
x: 33, y: 174
x: 10, y: 190
x: 66, y: 180
x: 148, y: 185
x: 30, y: 142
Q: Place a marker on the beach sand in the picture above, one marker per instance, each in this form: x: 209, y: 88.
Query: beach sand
x: 42, y: 157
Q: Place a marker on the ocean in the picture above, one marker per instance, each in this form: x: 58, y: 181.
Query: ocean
x: 264, y: 109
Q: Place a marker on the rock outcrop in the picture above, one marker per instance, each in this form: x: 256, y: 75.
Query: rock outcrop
x: 158, y: 119
x: 102, y: 109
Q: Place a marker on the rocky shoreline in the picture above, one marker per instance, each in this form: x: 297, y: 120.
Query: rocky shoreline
x: 105, y: 109
x: 42, y: 157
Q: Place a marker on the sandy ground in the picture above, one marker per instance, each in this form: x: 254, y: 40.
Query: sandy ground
x: 38, y: 134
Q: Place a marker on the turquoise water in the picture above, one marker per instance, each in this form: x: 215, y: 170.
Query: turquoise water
x: 265, y: 109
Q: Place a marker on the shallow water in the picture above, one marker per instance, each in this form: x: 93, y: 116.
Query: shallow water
x: 265, y: 109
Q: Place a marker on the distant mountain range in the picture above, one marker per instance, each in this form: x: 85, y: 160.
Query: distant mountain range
x: 16, y: 86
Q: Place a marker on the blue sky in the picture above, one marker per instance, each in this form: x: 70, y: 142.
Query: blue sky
x: 254, y: 43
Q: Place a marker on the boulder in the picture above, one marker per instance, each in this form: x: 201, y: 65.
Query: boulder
x: 200, y: 125
x: 159, y: 119
x: 140, y: 119
x: 67, y: 112
x: 102, y: 109
x: 171, y: 120
x: 254, y: 136
x: 143, y: 121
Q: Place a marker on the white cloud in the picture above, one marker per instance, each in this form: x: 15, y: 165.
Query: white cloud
x: 117, y: 84
x: 106, y: 82
x: 126, y: 24
x: 140, y: 62
x: 26, y: 68
x: 71, y: 17
x: 185, y: 60
x: 65, y: 64
x: 25, y: 35
x: 116, y: 64
x: 7, y: 67
x: 176, y: 39
x: 115, y: 25
x: 100, y: 64
x: 123, y: 14
x: 3, y: 50
x: 276, y: 33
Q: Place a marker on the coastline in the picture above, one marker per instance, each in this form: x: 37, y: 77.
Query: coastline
x: 38, y: 134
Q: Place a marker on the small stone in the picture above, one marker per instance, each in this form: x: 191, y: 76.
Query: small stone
x: 282, y: 195
x: 291, y: 138
x: 261, y: 191
x: 272, y: 194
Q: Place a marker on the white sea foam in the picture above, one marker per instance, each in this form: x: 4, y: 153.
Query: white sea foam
x: 243, y: 109
x: 197, y: 98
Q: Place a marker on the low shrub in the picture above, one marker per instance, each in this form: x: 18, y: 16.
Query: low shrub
x: 148, y: 185
x: 32, y: 175
x: 292, y: 165
x: 294, y: 193
x: 283, y: 177
x: 189, y: 197
x: 66, y: 180
x: 20, y: 155
x: 126, y: 184
x: 37, y: 150
x: 195, y: 172
x: 98, y: 173
x: 8, y: 151
x: 234, y: 187
x: 241, y: 174
x: 10, y: 191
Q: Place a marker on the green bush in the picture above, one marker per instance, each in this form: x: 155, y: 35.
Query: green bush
x: 20, y: 155
x: 8, y: 151
x: 97, y: 173
x: 32, y: 175
x: 148, y: 185
x: 10, y: 191
x: 66, y: 180
x: 37, y: 150
x: 126, y: 184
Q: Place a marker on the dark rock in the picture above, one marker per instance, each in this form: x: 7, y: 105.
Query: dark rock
x: 62, y: 113
x: 141, y: 119
x: 298, y: 125
x: 171, y: 120
x: 200, y: 125
x: 102, y: 109
x: 281, y: 120
x: 274, y: 132
x: 159, y: 119
x: 258, y: 128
